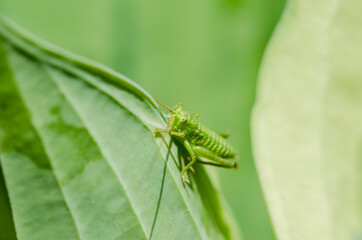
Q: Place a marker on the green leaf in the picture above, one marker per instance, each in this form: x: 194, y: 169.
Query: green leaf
x: 307, y: 130
x: 7, y: 230
x: 79, y: 157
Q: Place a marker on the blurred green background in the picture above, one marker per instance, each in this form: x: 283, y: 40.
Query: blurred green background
x: 203, y: 53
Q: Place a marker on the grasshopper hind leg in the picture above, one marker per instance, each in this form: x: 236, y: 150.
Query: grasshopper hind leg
x: 219, y: 161
x: 196, y: 151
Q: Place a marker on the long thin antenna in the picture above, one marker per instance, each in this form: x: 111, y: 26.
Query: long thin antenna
x: 163, y: 105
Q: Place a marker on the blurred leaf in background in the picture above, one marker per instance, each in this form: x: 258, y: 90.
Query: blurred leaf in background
x: 307, y: 130
x: 204, y: 53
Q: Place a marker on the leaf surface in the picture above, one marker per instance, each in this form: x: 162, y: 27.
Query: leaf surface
x: 79, y: 157
x: 307, y: 128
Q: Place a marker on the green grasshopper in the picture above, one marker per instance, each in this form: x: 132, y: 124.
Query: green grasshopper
x: 198, y: 140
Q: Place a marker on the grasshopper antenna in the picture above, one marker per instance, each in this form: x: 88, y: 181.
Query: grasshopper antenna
x: 163, y: 105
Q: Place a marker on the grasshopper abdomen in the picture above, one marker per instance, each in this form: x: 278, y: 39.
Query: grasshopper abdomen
x: 212, y: 141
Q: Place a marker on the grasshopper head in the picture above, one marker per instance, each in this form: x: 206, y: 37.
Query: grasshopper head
x: 179, y: 118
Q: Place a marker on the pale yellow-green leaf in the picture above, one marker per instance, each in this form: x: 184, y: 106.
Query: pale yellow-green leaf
x: 307, y: 130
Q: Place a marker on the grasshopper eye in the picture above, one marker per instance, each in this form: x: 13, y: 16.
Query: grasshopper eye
x: 183, y: 119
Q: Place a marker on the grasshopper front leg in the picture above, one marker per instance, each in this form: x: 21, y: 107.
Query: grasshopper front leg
x: 178, y: 134
x: 157, y: 131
